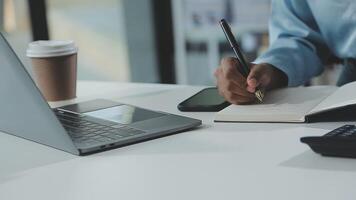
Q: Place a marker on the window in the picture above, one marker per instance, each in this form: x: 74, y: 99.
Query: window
x: 15, y: 25
x: 116, y: 38
x: 200, y: 43
x: 98, y: 29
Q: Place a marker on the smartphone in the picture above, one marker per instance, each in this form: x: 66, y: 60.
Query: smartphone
x: 207, y: 100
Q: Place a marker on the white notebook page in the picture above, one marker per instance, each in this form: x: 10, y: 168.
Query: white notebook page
x: 284, y: 105
x: 345, y: 95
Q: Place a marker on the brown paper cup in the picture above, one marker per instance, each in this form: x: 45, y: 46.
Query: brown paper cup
x: 55, y: 69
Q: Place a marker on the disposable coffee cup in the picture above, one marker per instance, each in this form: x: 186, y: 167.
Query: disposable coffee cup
x: 54, y: 65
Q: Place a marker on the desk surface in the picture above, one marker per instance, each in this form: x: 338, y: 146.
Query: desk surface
x: 217, y: 161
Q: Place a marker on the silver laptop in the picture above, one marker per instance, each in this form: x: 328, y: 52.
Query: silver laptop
x: 82, y: 128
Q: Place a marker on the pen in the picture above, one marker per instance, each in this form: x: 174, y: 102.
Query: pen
x: 235, y: 47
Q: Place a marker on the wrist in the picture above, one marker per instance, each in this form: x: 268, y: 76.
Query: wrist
x: 278, y: 77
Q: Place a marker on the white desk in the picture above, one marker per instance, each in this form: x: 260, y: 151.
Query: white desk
x: 217, y: 161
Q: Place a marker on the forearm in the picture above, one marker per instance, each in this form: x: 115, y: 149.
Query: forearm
x: 297, y: 48
x: 297, y: 61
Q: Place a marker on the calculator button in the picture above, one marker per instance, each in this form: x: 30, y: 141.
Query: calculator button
x: 349, y: 126
x: 346, y: 134
x: 344, y: 131
x: 332, y: 133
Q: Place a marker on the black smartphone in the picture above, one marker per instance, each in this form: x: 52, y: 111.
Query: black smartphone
x: 207, y: 100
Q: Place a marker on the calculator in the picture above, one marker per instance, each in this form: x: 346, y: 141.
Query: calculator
x: 340, y: 142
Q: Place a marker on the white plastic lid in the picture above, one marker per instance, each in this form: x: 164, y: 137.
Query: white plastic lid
x: 51, y: 48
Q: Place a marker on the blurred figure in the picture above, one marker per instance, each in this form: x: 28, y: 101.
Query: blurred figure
x: 304, y: 36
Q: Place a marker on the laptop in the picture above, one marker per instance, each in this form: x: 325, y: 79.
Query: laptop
x: 82, y: 128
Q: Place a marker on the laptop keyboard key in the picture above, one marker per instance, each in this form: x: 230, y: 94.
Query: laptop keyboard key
x: 115, y: 136
x: 86, y: 132
x: 118, y: 126
x: 99, y: 132
x: 105, y: 139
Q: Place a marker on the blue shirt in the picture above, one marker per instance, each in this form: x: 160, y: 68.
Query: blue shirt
x: 304, y: 33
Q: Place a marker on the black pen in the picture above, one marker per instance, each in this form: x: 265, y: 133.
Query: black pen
x: 235, y: 47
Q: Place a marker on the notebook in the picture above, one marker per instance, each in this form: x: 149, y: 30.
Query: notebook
x: 300, y: 104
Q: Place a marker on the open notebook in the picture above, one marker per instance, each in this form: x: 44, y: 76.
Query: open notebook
x: 302, y: 104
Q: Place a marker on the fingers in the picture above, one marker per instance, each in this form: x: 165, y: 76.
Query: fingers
x: 229, y: 68
x: 239, y: 99
x: 231, y: 84
x: 258, y: 77
x: 238, y: 90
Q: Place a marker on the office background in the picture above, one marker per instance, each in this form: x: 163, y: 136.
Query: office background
x: 166, y: 41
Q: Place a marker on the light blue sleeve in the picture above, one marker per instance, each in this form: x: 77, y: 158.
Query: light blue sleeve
x: 296, y: 45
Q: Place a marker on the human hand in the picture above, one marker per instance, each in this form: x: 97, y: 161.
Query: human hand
x: 236, y: 89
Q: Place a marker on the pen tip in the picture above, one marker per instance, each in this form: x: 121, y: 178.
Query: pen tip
x: 259, y: 95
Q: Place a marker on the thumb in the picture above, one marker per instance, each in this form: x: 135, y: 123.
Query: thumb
x: 257, y: 77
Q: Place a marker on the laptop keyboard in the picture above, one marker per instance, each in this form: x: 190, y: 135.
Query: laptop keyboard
x: 84, y: 131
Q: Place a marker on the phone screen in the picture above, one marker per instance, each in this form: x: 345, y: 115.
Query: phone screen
x: 208, y: 99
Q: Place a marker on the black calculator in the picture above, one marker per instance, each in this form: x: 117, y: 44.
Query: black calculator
x: 340, y: 142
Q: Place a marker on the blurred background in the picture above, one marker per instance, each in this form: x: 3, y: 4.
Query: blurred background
x: 155, y: 41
